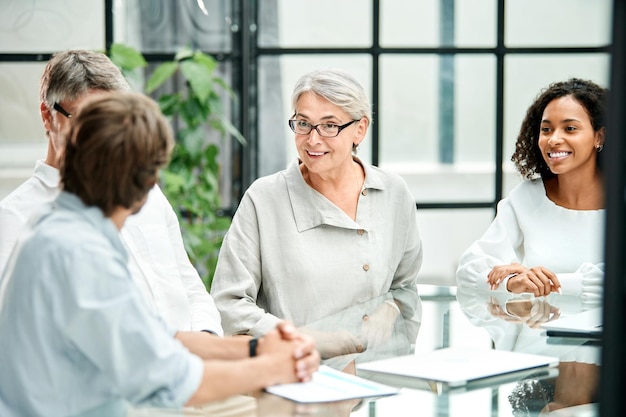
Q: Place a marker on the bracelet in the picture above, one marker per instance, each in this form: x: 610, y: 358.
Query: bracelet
x: 252, y: 344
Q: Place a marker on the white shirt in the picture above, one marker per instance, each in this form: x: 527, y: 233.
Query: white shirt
x: 533, y: 231
x: 24, y: 202
x: 158, y: 261
x: 77, y: 337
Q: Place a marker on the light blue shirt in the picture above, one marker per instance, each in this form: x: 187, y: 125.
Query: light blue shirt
x: 158, y: 262
x: 76, y: 334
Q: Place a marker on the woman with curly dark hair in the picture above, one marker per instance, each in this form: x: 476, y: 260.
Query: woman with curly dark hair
x: 548, y: 233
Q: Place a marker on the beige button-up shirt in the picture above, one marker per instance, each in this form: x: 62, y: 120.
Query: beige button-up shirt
x: 292, y: 254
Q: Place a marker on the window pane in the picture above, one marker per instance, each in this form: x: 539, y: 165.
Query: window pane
x: 22, y: 138
x: 277, y: 77
x: 558, y: 23
x: 446, y: 234
x: 19, y: 103
x: 526, y: 75
x: 408, y: 108
x: 323, y: 23
x: 437, y: 124
x: 438, y: 22
x: 475, y: 23
x: 409, y: 23
x: 51, y: 26
x: 167, y: 25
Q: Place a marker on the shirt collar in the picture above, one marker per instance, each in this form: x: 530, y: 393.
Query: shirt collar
x: 312, y: 209
x: 48, y: 174
x: 92, y: 215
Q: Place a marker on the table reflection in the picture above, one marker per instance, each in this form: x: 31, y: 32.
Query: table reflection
x: 514, y: 323
x: 271, y: 405
x: 379, y: 328
x: 376, y: 330
x: 237, y: 406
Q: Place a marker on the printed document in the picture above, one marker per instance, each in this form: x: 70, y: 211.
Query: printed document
x: 331, y: 385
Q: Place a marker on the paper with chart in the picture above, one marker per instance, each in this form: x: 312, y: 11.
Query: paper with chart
x: 331, y: 385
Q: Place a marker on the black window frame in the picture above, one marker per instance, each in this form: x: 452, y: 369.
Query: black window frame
x: 246, y: 53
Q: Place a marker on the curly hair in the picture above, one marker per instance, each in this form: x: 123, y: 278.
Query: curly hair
x: 527, y: 156
x: 530, y: 396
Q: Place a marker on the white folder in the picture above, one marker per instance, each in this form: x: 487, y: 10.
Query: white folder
x: 456, y: 367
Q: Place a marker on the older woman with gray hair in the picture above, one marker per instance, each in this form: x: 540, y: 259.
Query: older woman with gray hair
x: 327, y: 233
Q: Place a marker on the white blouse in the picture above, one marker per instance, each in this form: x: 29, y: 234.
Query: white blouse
x: 533, y: 231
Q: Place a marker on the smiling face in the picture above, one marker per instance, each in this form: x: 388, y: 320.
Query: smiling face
x: 566, y: 138
x: 321, y: 155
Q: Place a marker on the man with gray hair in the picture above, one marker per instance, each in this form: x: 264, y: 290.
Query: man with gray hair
x: 158, y: 262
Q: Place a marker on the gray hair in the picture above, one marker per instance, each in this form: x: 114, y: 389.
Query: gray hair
x: 339, y: 88
x: 70, y: 74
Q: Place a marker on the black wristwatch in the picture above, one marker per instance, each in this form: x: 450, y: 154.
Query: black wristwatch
x: 252, y: 344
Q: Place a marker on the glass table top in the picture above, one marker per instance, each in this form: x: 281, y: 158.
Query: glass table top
x: 450, y: 317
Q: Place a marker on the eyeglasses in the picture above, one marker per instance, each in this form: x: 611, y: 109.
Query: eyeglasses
x: 327, y: 130
x: 61, y: 110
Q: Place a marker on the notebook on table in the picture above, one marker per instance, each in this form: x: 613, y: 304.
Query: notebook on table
x: 455, y: 367
x: 586, y: 324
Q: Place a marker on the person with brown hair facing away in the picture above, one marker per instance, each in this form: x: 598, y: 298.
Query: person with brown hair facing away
x: 157, y: 258
x: 78, y: 338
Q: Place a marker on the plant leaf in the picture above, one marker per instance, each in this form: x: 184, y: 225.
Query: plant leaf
x: 192, y: 139
x: 231, y: 129
x: 172, y: 182
x: 205, y: 60
x: 126, y: 57
x: 222, y: 83
x: 169, y: 104
x: 183, y: 53
x: 161, y: 74
x: 200, y: 80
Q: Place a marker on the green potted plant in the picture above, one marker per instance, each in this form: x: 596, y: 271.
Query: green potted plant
x: 191, y: 181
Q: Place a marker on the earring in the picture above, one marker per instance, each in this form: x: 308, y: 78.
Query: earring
x: 599, y: 147
x: 355, y: 148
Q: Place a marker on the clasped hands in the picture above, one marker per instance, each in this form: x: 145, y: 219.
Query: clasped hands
x: 285, y: 341
x: 537, y: 280
x: 527, y: 311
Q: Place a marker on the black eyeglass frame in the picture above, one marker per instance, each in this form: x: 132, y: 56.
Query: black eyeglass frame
x: 56, y: 106
x: 292, y: 123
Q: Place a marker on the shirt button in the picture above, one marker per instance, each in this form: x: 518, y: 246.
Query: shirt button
x: 360, y: 232
x: 364, y: 192
x: 359, y: 348
x: 366, y: 267
x: 365, y: 317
